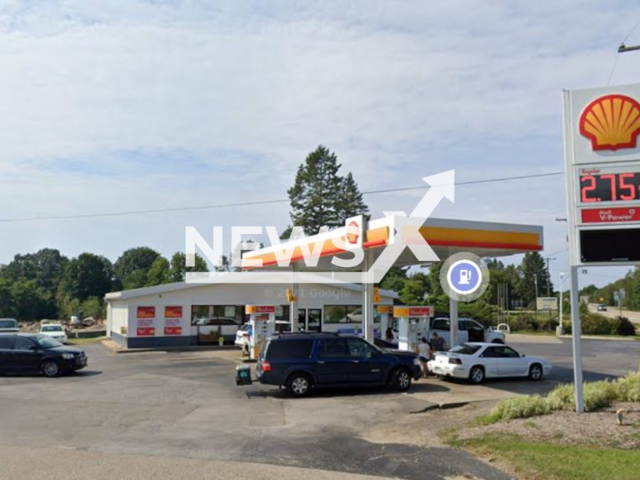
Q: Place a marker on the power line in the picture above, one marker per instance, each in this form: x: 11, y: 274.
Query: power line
x: 258, y: 202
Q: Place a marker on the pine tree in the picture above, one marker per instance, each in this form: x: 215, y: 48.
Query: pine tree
x: 320, y: 196
x: 350, y: 202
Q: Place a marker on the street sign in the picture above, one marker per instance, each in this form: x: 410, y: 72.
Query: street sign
x: 603, y: 174
x: 413, y: 312
x: 547, y: 303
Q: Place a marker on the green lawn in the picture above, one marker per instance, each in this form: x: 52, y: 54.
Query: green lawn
x: 538, y: 461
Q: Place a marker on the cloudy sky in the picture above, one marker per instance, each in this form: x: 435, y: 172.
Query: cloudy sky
x: 114, y: 106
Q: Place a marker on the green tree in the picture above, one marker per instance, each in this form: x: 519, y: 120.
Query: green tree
x: 434, y: 279
x: 179, y: 266
x: 45, y: 267
x: 138, y: 260
x: 320, y: 196
x: 394, y: 279
x: 87, y: 276
x: 350, y: 202
x: 93, y: 307
x: 159, y: 273
x: 533, y: 266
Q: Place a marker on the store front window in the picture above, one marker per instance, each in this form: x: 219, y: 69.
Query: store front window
x: 217, y: 314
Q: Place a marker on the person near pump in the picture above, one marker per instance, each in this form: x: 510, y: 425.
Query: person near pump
x: 424, y: 352
x: 389, y: 334
x: 437, y: 343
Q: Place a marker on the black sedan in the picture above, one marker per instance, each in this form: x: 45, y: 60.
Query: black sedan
x: 32, y: 353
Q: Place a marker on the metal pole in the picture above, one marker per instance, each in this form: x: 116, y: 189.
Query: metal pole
x: 560, y: 329
x: 576, y: 332
x: 453, y: 322
x: 367, y: 298
x: 293, y: 305
x: 535, y: 280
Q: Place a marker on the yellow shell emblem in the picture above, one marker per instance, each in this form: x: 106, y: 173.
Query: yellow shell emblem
x: 611, y: 122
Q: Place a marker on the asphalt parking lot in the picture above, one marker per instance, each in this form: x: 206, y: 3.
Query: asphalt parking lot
x: 185, y: 404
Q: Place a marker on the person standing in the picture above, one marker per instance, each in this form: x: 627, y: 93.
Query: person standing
x: 424, y: 352
x: 437, y: 342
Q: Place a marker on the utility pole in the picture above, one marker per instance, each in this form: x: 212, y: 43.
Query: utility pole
x: 535, y: 280
x: 560, y: 329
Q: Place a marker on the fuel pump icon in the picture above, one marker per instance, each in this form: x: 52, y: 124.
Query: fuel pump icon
x: 465, y: 277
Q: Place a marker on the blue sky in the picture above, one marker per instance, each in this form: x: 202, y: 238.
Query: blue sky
x: 131, y: 105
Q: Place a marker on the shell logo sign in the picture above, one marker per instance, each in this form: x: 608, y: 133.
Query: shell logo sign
x: 352, y: 232
x: 611, y: 122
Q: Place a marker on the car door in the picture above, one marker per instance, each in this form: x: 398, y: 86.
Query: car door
x: 490, y: 362
x: 6, y: 347
x: 333, y: 362
x: 367, y: 365
x: 510, y: 363
x: 26, y: 355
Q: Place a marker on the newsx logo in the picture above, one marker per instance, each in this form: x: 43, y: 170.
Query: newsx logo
x: 403, y: 232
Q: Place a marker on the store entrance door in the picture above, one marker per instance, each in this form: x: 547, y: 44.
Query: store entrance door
x: 309, y: 320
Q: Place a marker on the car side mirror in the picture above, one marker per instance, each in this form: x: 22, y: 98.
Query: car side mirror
x: 522, y: 355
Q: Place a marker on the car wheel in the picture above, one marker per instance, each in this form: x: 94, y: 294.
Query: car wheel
x: 477, y: 374
x: 401, y: 380
x: 535, y: 372
x: 299, y: 385
x: 497, y: 340
x: 50, y: 368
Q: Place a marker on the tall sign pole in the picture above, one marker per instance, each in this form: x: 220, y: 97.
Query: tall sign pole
x: 601, y: 126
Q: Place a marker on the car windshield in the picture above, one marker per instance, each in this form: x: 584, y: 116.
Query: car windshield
x: 465, y: 349
x: 51, y: 328
x: 47, y: 342
x: 8, y: 324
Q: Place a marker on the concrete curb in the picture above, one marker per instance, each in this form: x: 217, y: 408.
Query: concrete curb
x: 114, y: 347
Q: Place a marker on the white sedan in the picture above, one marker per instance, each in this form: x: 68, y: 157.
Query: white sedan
x: 477, y: 361
x: 55, y: 331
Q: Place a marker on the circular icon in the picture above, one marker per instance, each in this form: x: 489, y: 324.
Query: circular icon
x: 464, y: 277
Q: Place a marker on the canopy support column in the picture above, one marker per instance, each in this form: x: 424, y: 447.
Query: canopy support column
x: 293, y: 304
x: 453, y: 322
x: 367, y: 298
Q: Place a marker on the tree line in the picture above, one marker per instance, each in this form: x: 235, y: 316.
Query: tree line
x: 626, y: 288
x: 47, y: 284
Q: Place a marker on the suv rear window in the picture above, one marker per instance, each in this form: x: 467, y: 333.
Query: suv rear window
x: 289, y: 349
x: 6, y: 342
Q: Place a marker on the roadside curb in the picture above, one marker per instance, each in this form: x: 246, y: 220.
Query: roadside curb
x: 114, y: 347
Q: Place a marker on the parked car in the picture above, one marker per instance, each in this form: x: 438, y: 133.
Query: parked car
x: 477, y: 361
x: 469, y: 330
x: 55, y: 331
x: 304, y: 361
x: 242, y: 336
x: 227, y: 326
x: 9, y: 325
x: 602, y: 308
x: 35, y: 353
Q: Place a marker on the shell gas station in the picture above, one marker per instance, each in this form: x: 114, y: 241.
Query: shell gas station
x: 375, y: 239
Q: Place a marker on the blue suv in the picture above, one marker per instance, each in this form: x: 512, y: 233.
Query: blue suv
x: 302, y: 361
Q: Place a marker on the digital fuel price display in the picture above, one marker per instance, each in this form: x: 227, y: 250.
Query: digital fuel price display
x: 596, y: 186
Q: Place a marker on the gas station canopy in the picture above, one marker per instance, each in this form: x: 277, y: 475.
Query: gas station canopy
x: 446, y: 237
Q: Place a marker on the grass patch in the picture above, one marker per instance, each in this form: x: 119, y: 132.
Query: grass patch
x: 84, y: 341
x: 534, y: 460
x: 597, y: 395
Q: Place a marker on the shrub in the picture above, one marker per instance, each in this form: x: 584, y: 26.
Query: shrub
x: 599, y: 395
x: 595, y: 324
x: 628, y: 388
x: 625, y: 327
x: 518, y: 407
x: 562, y: 398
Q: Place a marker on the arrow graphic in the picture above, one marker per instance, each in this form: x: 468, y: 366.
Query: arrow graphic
x: 442, y: 186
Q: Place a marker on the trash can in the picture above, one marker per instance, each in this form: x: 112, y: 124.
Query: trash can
x: 243, y: 375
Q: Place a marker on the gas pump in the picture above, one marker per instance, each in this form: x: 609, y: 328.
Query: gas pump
x: 410, y: 332
x: 262, y: 322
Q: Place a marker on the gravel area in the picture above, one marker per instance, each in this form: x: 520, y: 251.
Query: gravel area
x: 567, y: 428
